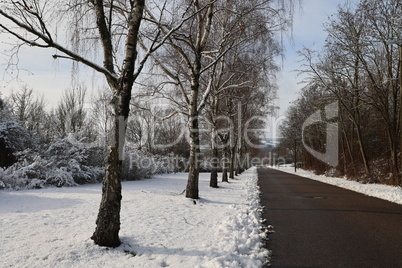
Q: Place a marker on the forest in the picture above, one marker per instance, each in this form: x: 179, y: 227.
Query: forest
x: 357, y: 73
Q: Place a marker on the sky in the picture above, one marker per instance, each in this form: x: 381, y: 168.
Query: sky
x: 51, y: 77
x: 308, y: 31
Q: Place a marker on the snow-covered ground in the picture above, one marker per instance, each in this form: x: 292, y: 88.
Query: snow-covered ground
x: 159, y: 226
x: 386, y: 192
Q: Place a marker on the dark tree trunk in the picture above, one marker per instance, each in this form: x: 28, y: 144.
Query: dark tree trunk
x: 213, y: 182
x: 225, y: 175
x: 392, y: 134
x: 192, y: 184
x: 108, y: 220
x: 193, y: 175
x: 224, y: 167
x: 231, y: 168
x: 362, y: 150
x: 232, y: 162
x: 214, y: 178
x: 241, y: 165
x: 241, y: 155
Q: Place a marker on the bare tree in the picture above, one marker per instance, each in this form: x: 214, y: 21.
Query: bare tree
x: 242, y: 75
x: 115, y: 25
x: 28, y: 109
x: 100, y: 114
x: 360, y: 69
x: 70, y: 111
x: 187, y: 48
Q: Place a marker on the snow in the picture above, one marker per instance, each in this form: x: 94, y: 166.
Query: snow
x: 386, y: 192
x: 159, y: 226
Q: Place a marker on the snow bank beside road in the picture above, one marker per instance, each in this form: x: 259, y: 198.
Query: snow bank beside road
x: 386, y: 192
x: 160, y: 227
x: 240, y: 232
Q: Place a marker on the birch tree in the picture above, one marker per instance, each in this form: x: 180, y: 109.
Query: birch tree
x: 70, y: 113
x: 113, y: 27
x: 186, y: 51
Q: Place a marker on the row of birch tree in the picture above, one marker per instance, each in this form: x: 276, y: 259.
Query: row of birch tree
x: 211, y: 61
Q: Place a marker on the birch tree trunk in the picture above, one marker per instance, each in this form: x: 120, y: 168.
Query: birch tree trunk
x: 224, y: 166
x: 213, y: 182
x: 193, y: 175
x: 108, y: 220
x: 232, y: 163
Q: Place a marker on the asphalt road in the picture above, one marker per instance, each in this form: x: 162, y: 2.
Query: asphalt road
x: 320, y: 225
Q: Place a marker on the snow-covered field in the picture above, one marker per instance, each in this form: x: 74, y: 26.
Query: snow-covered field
x: 159, y: 226
x: 386, y: 192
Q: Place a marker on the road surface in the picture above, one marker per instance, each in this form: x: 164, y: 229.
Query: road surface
x: 320, y: 225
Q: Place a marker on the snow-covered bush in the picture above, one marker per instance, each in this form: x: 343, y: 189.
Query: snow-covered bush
x: 66, y: 162
x: 5, y: 114
x: 2, y: 184
x: 13, y: 138
x: 61, y: 164
x: 76, y: 159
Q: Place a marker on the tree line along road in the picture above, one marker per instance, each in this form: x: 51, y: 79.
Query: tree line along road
x: 320, y: 225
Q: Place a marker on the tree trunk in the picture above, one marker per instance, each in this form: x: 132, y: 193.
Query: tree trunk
x: 224, y: 167
x: 393, y: 153
x: 362, y: 150
x: 239, y: 157
x: 108, y: 220
x: 214, y: 176
x: 232, y: 148
x: 225, y: 175
x: 348, y: 152
x: 243, y: 154
x: 193, y: 175
x: 213, y: 182
x: 231, y: 164
x: 238, y: 170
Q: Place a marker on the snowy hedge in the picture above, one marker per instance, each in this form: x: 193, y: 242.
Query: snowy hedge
x: 66, y: 163
x: 28, y: 163
x: 61, y: 164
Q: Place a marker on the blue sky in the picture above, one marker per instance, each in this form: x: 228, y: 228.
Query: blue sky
x: 308, y: 32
